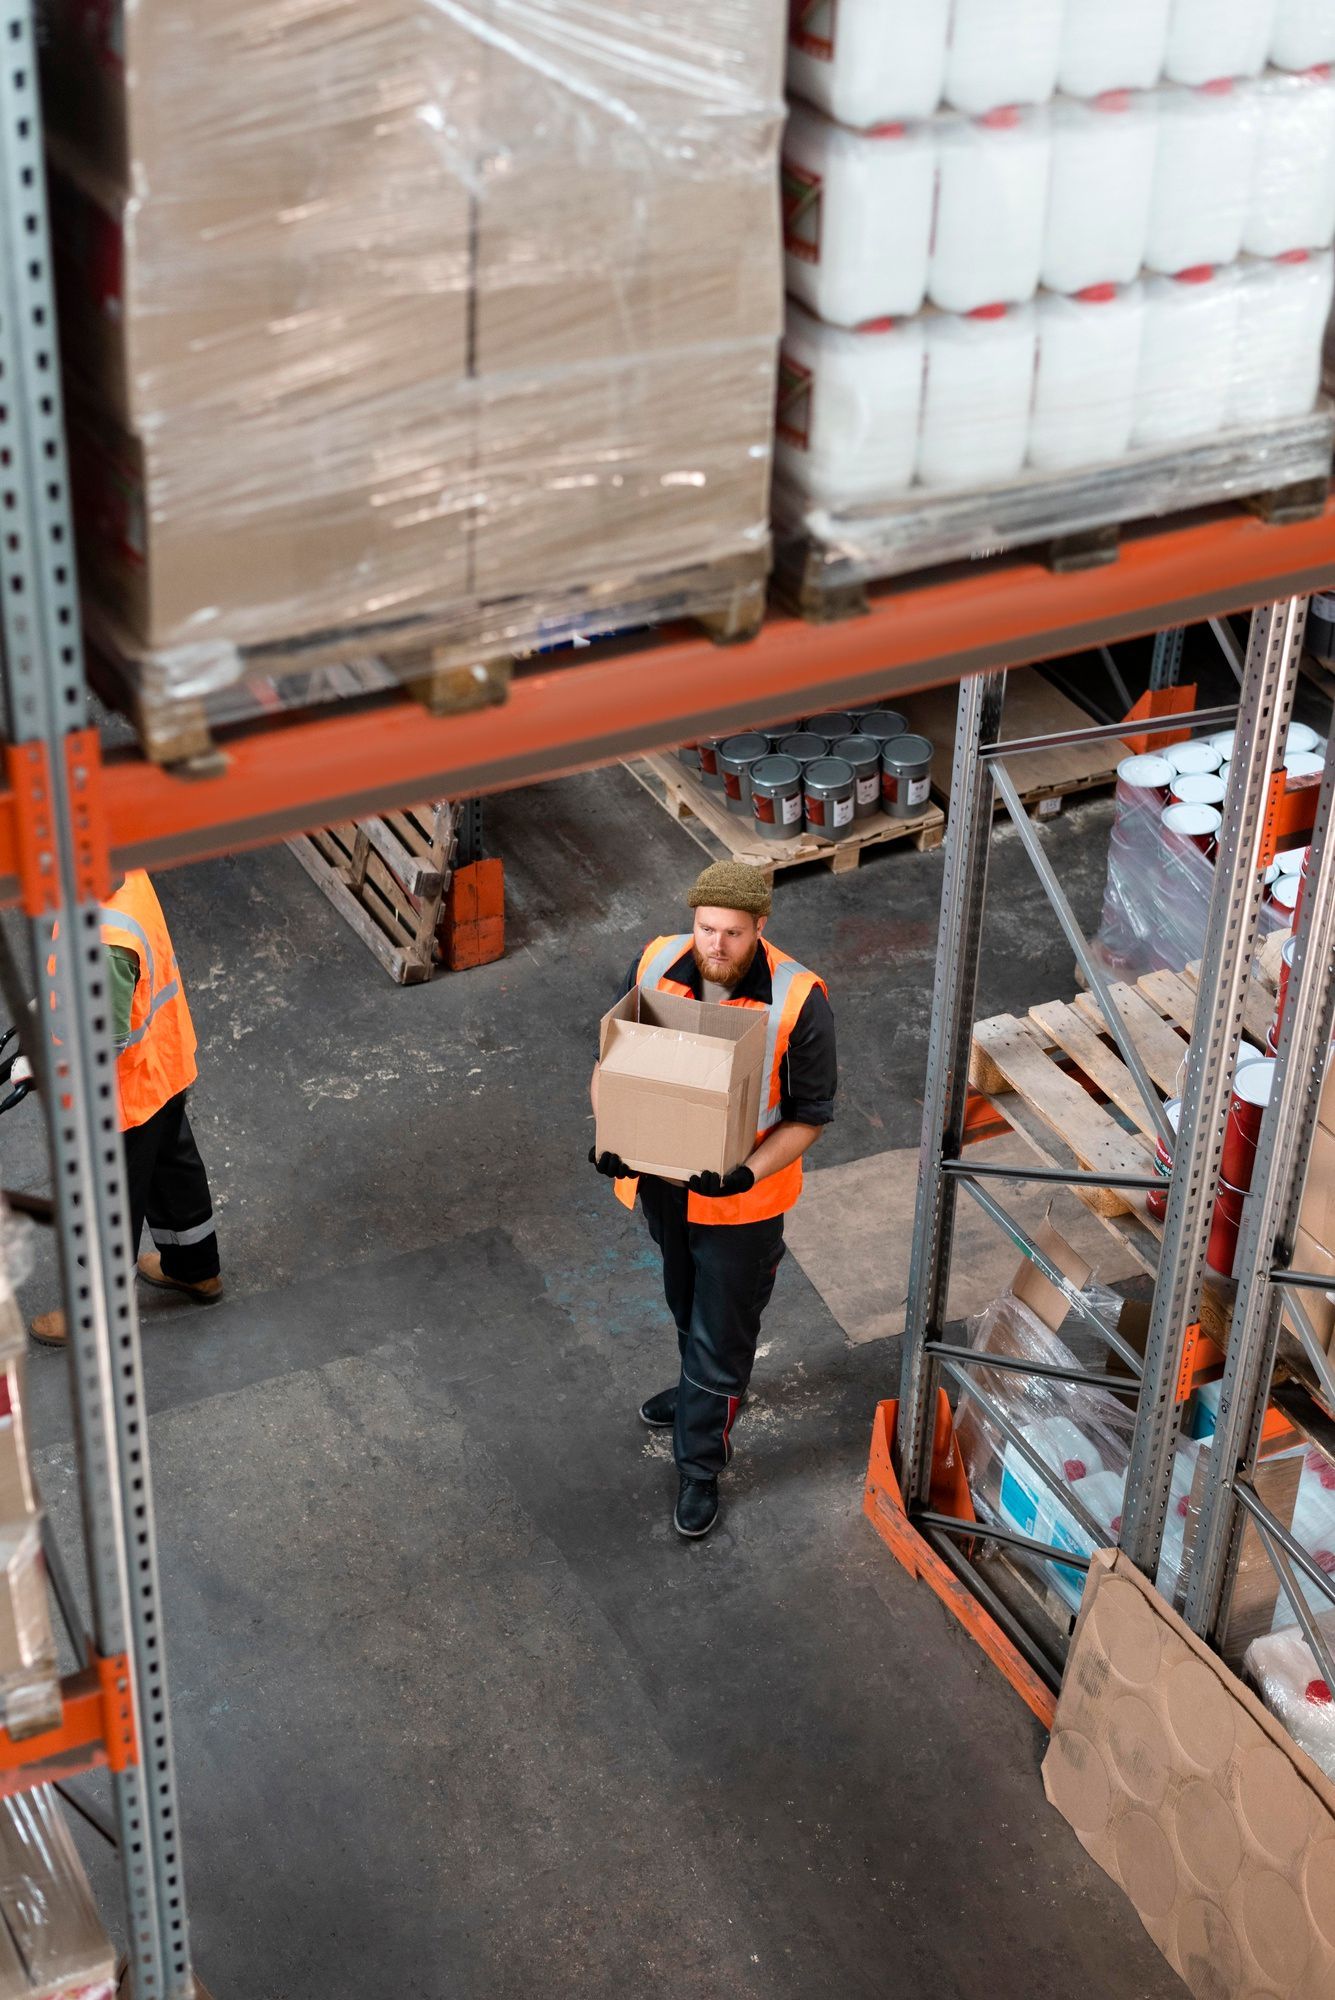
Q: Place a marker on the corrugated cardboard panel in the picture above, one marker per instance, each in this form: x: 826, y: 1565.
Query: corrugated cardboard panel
x: 1191, y: 1797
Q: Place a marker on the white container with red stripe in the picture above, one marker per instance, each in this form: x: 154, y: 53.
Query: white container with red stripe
x: 979, y: 385
x: 869, y: 61
x: 1003, y: 52
x: 850, y: 406
x: 1212, y: 38
x: 1292, y: 203
x: 1113, y: 45
x: 1283, y: 309
x: 1102, y: 185
x: 992, y: 198
x: 857, y: 213
x: 1186, y: 357
x: 1085, y: 385
x: 1203, y: 176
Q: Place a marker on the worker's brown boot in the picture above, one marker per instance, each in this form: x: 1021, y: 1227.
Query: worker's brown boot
x: 48, y: 1329
x: 204, y: 1293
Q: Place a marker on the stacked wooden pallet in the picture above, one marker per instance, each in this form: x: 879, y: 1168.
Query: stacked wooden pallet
x: 1044, y: 779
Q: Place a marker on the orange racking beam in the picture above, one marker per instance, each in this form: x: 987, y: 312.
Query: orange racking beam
x: 591, y: 707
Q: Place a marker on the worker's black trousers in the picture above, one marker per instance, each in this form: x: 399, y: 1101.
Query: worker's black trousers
x: 170, y: 1190
x: 717, y: 1280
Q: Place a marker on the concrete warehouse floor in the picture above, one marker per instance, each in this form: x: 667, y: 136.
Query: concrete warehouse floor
x: 457, y: 1715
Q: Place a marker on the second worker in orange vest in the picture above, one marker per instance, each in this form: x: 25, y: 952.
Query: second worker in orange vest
x: 155, y: 1066
x: 721, y: 1239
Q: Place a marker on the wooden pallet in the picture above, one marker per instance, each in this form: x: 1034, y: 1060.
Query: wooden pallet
x: 1034, y: 707
x: 387, y: 878
x: 1059, y: 1081
x: 825, y: 563
x: 450, y: 660
x: 726, y: 836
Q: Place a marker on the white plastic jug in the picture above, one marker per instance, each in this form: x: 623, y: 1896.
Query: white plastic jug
x: 1304, y: 34
x: 1203, y: 174
x: 1283, y: 307
x: 980, y: 383
x: 1003, y: 52
x: 1113, y: 45
x: 1215, y: 38
x: 1101, y: 187
x: 991, y: 210
x: 869, y: 61
x: 849, y: 409
x: 1293, y: 189
x: 1085, y: 385
x: 1186, y: 357
x: 857, y: 212
x: 1102, y: 1494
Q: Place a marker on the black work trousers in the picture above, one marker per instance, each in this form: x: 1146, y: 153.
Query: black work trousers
x: 717, y: 1280
x: 170, y: 1190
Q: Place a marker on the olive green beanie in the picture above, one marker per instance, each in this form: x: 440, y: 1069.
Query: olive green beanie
x: 731, y: 885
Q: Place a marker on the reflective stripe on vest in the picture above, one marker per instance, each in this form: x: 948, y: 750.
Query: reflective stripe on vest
x: 668, y: 951
x: 782, y: 976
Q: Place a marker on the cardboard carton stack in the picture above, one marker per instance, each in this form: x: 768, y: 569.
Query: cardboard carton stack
x: 373, y: 308
x: 1314, y: 1247
x: 52, y: 1946
x: 29, y: 1688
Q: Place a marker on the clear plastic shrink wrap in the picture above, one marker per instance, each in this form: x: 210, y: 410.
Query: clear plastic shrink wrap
x: 52, y: 1946
x: 1156, y: 901
x: 389, y: 310
x: 1082, y: 1435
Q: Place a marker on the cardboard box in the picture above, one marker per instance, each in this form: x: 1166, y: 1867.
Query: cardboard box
x: 186, y: 544
x: 52, y: 1946
x: 18, y: 1502
x: 679, y: 1084
x: 1187, y: 1793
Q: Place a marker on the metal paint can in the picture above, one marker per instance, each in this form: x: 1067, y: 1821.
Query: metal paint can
x: 776, y: 797
x: 830, y: 789
x: 882, y: 724
x: 1282, y: 993
x: 864, y: 754
x: 1157, y: 1200
x: 689, y: 755
x: 1285, y: 895
x: 707, y: 750
x: 1198, y: 758
x: 1138, y: 777
x: 833, y: 724
x: 806, y: 747
x: 1252, y: 1085
x: 906, y: 776
x: 1198, y: 788
x: 1225, y: 1227
x: 735, y: 757
x: 1198, y: 824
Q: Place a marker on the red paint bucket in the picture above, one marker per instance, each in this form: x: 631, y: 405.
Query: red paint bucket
x: 1194, y: 757
x: 1198, y: 788
x: 1285, y: 892
x: 1143, y: 778
x: 1282, y: 994
x: 1225, y: 1227
x: 1156, y: 1201
x: 1251, y: 1093
x: 1198, y: 824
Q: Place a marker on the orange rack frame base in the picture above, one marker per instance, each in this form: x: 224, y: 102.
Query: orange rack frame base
x: 883, y: 1505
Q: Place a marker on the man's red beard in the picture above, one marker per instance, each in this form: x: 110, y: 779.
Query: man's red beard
x: 719, y: 974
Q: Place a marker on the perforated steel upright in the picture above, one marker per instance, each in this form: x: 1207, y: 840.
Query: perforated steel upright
x: 52, y: 761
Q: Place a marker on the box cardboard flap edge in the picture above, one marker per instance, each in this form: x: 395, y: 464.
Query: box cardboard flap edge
x: 695, y: 1066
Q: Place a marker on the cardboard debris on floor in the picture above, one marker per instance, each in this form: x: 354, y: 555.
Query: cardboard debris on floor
x: 1191, y: 1797
x: 679, y: 1084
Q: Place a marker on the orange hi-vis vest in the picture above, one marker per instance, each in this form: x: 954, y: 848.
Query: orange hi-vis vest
x: 158, y: 1061
x: 792, y: 984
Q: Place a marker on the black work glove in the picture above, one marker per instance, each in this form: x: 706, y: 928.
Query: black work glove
x: 740, y: 1181
x: 610, y: 1164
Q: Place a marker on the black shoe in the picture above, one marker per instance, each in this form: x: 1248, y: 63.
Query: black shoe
x: 697, y: 1506
x: 660, y: 1412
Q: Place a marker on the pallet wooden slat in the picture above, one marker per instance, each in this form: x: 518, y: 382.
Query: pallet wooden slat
x: 1033, y: 708
x: 725, y: 835
x: 1101, y: 1064
x: 1258, y: 1005
x: 1005, y: 1051
x: 390, y: 892
x: 1158, y: 1044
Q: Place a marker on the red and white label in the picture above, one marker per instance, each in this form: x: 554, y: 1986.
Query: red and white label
x: 843, y: 812
x: 868, y: 790
x: 793, y: 420
x: 801, y: 189
x: 792, y: 809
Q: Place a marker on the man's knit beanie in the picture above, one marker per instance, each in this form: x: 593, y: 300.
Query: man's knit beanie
x: 731, y: 885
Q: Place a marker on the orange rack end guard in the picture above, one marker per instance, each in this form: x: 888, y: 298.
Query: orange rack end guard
x: 96, y: 1728
x: 883, y: 1504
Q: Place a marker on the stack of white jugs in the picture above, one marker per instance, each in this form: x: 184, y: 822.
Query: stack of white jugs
x: 1048, y: 233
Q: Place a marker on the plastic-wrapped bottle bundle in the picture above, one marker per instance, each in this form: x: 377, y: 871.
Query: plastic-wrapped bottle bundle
x: 1003, y: 52
x: 1293, y: 189
x: 1085, y: 385
x: 849, y: 410
x: 980, y: 377
x: 1102, y: 185
x: 1283, y: 309
x: 1304, y: 34
x: 1203, y: 176
x: 857, y: 217
x: 1284, y: 1669
x: 991, y: 210
x: 1113, y: 47
x: 1186, y: 357
x: 1216, y: 38
x: 1314, y: 1527
x: 869, y: 61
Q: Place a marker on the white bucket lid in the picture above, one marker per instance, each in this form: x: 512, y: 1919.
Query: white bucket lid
x: 1199, y: 788
x: 1248, y: 1053
x: 1149, y: 773
x: 1192, y: 820
x: 1194, y: 756
x: 1304, y: 764
x: 1284, y: 891
x: 1255, y: 1081
x: 1222, y: 741
x: 1172, y: 1111
x: 1290, y: 862
x: 1300, y: 737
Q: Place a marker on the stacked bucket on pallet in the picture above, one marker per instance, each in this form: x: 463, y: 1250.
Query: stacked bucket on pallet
x: 825, y: 776
x: 1034, y: 240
